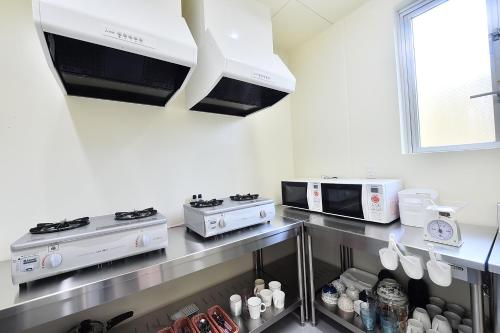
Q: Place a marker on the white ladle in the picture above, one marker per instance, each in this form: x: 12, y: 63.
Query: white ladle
x: 388, y: 255
x: 412, y: 265
x: 439, y: 272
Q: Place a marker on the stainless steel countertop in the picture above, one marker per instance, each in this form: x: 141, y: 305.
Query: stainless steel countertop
x: 48, y: 299
x: 371, y: 237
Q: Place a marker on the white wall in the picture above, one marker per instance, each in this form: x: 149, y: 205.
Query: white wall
x: 345, y: 116
x: 66, y: 157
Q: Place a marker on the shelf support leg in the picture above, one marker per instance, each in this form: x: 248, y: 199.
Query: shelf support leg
x: 476, y: 296
x: 311, y: 279
x: 304, y: 270
x: 495, y: 294
x: 300, y: 273
x: 258, y: 261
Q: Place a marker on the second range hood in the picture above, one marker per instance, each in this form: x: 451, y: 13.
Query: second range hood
x: 131, y: 51
x: 237, y: 71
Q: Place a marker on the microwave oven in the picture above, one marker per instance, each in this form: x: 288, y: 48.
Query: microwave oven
x: 372, y: 200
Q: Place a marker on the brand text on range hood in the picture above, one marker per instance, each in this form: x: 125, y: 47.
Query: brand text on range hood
x: 237, y: 71
x: 142, y: 53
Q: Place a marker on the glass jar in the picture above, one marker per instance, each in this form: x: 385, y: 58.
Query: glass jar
x: 392, y: 301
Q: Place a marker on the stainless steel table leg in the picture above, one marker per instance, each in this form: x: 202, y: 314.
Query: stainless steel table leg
x: 258, y: 261
x: 495, y: 294
x: 476, y: 296
x: 311, y: 280
x: 300, y: 276
x: 304, y: 260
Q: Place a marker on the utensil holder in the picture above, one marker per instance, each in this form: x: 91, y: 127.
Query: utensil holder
x: 179, y: 324
x: 227, y: 318
x: 196, y: 319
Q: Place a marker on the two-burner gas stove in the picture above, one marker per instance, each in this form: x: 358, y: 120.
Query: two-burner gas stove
x: 217, y: 216
x: 54, y: 248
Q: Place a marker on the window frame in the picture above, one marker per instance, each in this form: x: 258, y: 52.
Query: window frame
x: 408, y: 104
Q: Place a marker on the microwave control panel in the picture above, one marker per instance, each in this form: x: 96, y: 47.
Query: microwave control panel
x: 376, y: 201
x: 314, y: 197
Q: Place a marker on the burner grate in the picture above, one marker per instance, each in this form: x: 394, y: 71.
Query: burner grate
x: 136, y: 214
x: 244, y: 197
x: 45, y: 228
x: 206, y: 203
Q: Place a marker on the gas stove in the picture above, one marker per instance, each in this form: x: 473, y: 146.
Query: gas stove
x: 217, y: 216
x: 54, y: 248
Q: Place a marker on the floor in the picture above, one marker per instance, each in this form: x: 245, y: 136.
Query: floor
x: 291, y: 324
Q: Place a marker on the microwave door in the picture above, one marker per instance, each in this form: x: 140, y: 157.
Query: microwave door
x: 343, y: 199
x: 294, y: 194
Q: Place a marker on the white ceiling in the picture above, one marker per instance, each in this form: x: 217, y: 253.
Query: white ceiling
x: 295, y: 21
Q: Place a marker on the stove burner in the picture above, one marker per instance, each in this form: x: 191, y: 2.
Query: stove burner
x: 244, y: 197
x: 136, y: 214
x: 206, y: 203
x: 45, y: 228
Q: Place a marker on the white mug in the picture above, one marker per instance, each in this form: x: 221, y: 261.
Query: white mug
x: 453, y: 318
x: 464, y: 329
x: 457, y: 308
x: 279, y: 299
x: 266, y: 296
x: 255, y: 307
x: 259, y: 285
x: 274, y: 285
x: 414, y: 326
x: 235, y: 304
x: 441, y: 324
x: 422, y: 316
x: 433, y: 310
x: 437, y: 301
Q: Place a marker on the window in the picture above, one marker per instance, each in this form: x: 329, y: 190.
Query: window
x: 449, y: 94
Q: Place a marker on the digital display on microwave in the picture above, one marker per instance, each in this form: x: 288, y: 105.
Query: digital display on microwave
x: 374, y: 189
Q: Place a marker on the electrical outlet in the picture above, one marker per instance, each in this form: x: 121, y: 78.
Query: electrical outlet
x: 370, y: 171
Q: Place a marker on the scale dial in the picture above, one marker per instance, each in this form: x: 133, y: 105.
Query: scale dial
x: 443, y: 230
x: 440, y: 230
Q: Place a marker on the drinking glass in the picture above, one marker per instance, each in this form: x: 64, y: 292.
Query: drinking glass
x: 369, y: 315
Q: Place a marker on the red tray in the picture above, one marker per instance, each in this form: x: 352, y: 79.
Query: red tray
x: 227, y: 318
x: 166, y: 330
x: 197, y: 318
x: 183, y: 322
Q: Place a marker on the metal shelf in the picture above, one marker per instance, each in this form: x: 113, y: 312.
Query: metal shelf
x: 350, y: 321
x: 471, y: 257
x: 39, y: 302
x: 219, y: 295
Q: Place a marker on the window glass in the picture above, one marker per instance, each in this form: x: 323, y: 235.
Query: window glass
x: 447, y: 60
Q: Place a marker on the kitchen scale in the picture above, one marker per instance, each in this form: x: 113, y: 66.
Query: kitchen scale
x: 443, y: 227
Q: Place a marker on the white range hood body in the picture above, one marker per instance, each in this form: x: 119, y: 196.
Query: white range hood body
x: 234, y: 40
x: 152, y: 28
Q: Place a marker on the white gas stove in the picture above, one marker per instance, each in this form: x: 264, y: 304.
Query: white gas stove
x: 213, y: 217
x: 54, y: 248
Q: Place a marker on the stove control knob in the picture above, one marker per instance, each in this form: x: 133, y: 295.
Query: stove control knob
x: 222, y: 223
x: 263, y: 213
x: 143, y: 240
x: 53, y: 260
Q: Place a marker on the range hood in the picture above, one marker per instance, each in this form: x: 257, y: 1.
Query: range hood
x: 125, y: 50
x: 237, y: 71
